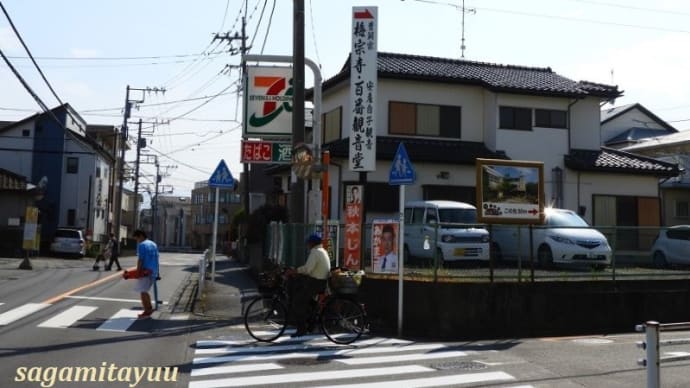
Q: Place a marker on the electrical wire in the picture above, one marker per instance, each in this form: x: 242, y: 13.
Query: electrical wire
x: 258, y: 24
x: 268, y: 28
x: 28, y: 52
x: 313, y: 35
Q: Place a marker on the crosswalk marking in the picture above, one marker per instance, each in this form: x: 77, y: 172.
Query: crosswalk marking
x: 20, y: 312
x: 234, y: 369
x: 244, y: 354
x: 310, y: 347
x: 402, y: 357
x: 309, y: 376
x: 122, y: 320
x: 434, y: 381
x: 68, y: 317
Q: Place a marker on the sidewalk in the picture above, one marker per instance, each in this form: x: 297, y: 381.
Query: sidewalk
x: 222, y: 299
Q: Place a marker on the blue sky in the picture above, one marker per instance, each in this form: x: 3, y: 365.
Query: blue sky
x: 82, y: 47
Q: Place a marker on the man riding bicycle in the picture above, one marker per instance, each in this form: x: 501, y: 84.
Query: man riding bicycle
x: 308, y: 281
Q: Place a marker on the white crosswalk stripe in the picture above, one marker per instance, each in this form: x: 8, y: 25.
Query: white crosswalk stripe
x: 239, y: 363
x: 120, y: 321
x: 20, y: 312
x: 68, y: 317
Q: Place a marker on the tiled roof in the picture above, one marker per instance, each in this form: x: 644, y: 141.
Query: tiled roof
x: 496, y: 77
x: 422, y: 150
x: 610, y: 114
x: 616, y: 161
x: 636, y: 133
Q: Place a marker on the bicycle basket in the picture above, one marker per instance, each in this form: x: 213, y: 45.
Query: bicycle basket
x: 269, y: 280
x: 342, y: 283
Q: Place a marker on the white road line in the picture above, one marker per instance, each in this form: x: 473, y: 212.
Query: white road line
x: 137, y: 301
x: 309, y: 376
x: 234, y: 369
x: 312, y: 347
x: 315, y: 353
x: 401, y: 357
x: 68, y: 317
x: 20, y: 312
x: 226, y: 345
x: 121, y: 321
x: 434, y: 381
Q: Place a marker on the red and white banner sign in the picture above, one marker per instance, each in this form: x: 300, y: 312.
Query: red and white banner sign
x: 353, y: 226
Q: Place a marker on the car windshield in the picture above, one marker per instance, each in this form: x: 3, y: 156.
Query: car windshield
x: 458, y: 216
x: 561, y: 218
x: 67, y: 233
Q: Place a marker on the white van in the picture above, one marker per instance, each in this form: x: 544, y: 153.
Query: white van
x: 450, y: 228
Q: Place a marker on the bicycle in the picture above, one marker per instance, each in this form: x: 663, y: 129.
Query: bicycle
x: 341, y: 318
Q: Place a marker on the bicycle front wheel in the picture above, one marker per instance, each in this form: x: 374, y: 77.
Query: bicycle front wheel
x: 343, y: 320
x: 265, y: 318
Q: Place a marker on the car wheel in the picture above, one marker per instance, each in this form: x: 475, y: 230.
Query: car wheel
x: 545, y: 256
x: 660, y: 260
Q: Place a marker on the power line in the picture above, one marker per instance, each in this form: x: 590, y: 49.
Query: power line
x: 258, y: 24
x: 558, y: 17
x: 644, y: 9
x: 26, y: 48
x: 56, y: 58
x: 158, y: 103
x: 268, y: 28
x: 313, y: 34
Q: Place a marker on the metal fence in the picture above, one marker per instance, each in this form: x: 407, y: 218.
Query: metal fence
x: 653, y: 342
x: 631, y: 255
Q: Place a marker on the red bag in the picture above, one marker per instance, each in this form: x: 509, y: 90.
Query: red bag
x: 135, y: 274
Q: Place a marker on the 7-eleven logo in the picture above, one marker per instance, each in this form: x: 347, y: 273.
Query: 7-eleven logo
x: 278, y: 97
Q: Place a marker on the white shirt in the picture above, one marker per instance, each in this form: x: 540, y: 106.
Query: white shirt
x: 388, y: 262
x: 318, y: 264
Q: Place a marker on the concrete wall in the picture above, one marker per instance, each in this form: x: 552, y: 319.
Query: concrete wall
x: 502, y: 310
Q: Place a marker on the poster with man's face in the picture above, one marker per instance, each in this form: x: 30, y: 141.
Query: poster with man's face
x: 384, y: 246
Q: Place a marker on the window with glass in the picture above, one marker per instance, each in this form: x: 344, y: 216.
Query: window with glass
x: 515, y: 118
x: 331, y: 123
x: 682, y: 209
x: 550, y: 118
x: 405, y: 118
x: 72, y: 165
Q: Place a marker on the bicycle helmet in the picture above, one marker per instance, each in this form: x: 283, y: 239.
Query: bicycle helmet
x: 314, y: 238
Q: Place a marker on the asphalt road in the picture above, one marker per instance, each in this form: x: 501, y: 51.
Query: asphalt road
x: 79, y: 319
x: 64, y: 321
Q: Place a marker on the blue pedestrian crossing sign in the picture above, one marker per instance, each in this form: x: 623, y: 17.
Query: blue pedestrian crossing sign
x: 402, y: 170
x: 221, y: 177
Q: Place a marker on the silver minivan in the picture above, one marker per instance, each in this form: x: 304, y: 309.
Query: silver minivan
x: 445, y: 227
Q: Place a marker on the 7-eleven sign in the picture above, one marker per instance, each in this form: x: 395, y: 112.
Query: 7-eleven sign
x: 269, y: 101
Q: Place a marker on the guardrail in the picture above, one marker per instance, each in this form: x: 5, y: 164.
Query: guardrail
x: 651, y: 345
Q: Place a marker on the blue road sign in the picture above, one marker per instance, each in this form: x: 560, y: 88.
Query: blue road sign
x: 402, y: 170
x: 221, y: 177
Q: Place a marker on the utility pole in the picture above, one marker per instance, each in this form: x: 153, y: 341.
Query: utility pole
x: 245, y: 166
x: 120, y: 162
x: 297, y: 189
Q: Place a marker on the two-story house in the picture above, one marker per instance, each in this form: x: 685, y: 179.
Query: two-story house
x: 75, y: 169
x: 450, y: 112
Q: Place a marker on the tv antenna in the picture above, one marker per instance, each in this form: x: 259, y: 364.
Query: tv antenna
x: 464, y: 10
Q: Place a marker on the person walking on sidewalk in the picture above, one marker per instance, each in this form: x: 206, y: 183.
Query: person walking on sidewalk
x: 114, y: 249
x: 147, y: 253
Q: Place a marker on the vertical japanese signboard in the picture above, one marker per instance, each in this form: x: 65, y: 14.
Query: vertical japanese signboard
x: 353, y: 226
x: 269, y: 101
x: 31, y: 235
x: 363, y: 70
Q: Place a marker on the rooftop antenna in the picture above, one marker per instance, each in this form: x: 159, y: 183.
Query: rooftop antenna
x: 464, y: 11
